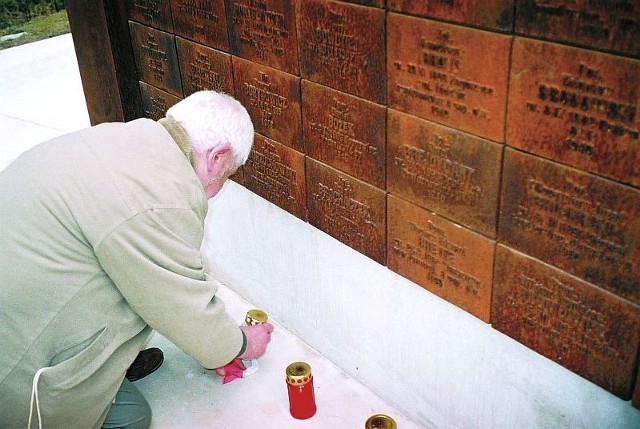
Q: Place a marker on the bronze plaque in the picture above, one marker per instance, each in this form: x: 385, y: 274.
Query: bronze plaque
x: 203, y: 21
x: 155, y: 102
x: 272, y: 98
x: 238, y: 176
x: 154, y: 13
x: 342, y: 46
x: 156, y: 58
x: 578, y: 107
x: 581, y: 223
x: 264, y: 31
x: 344, y: 131
x: 450, y: 261
x: 276, y: 173
x: 453, y: 75
x: 492, y: 14
x: 450, y: 172
x: 612, y: 25
x: 347, y: 209
x: 582, y: 327
x: 374, y: 3
x: 204, y: 68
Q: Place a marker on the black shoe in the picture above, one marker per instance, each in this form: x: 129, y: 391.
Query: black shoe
x: 147, y: 361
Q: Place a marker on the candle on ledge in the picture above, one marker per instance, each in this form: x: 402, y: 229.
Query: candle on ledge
x: 302, y: 402
x: 253, y: 317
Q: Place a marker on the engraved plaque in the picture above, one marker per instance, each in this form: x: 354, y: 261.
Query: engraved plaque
x: 578, y: 107
x: 264, y: 31
x: 582, y: 327
x: 450, y: 261
x: 276, y: 173
x: 272, y: 98
x: 155, y: 102
x: 342, y: 46
x: 448, y: 74
x: 581, y: 223
x: 347, y: 209
x: 374, y: 3
x: 603, y: 24
x: 344, y: 131
x: 155, y: 13
x: 452, y: 173
x: 493, y: 14
x: 238, y: 176
x: 156, y: 58
x: 204, y: 68
x: 203, y: 21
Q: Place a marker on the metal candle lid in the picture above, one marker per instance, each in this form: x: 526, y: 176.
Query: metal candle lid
x: 380, y: 421
x: 298, y: 373
x: 255, y: 317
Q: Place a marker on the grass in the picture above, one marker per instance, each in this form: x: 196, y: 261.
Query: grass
x: 41, y: 27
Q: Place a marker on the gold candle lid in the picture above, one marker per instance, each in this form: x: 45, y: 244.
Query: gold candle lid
x: 298, y: 373
x: 255, y: 317
x: 380, y: 421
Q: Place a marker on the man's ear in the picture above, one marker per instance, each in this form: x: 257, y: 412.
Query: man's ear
x: 218, y: 158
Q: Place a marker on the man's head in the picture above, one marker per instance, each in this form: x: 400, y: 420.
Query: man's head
x: 221, y: 135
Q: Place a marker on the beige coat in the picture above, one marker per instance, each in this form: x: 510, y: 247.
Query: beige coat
x: 100, y: 232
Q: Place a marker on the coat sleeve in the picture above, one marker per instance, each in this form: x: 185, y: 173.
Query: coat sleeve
x: 154, y: 260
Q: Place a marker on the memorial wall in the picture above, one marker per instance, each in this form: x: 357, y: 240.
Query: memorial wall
x: 488, y: 151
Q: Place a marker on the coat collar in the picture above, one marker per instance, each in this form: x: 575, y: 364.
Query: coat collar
x: 179, y: 135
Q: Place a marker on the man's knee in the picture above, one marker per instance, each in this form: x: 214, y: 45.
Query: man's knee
x: 130, y: 409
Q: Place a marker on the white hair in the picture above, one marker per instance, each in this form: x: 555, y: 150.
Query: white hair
x: 212, y: 118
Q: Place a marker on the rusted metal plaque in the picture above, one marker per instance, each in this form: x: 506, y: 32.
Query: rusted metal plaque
x: 155, y: 102
x: 343, y: 46
x: 581, y: 223
x: 578, y: 107
x: 492, y: 14
x: 154, y: 13
x: 204, y: 68
x: 448, y: 260
x: 238, y: 176
x: 449, y: 74
x: 347, y: 209
x: 264, y: 31
x: 203, y: 21
x: 580, y: 326
x: 612, y: 25
x: 156, y: 58
x: 276, y: 173
x: 272, y: 98
x: 344, y: 131
x: 450, y: 172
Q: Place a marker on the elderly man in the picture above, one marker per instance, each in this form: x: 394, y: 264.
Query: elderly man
x: 100, y: 232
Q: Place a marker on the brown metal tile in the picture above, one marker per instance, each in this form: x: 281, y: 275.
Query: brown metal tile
x: 581, y: 108
x: 492, y: 14
x: 203, y: 68
x: 342, y: 46
x: 601, y: 24
x: 450, y: 172
x: 276, y: 173
x: 344, y: 131
x: 264, y: 31
x: 449, y: 74
x: 347, y: 209
x: 272, y: 98
x: 448, y: 260
x: 203, y: 21
x: 580, y: 326
x: 154, y: 13
x: 156, y: 58
x: 155, y: 102
x: 581, y: 223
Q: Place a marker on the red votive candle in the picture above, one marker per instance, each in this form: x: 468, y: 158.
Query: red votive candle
x: 302, y: 401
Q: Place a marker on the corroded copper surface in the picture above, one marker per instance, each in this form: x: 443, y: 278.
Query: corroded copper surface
x: 577, y: 107
x: 581, y: 223
x: 347, y: 209
x: 344, y: 131
x: 202, y: 21
x: 582, y: 327
x: 155, y: 102
x: 444, y: 170
x: 343, y: 46
x: 452, y: 262
x: 204, y: 68
x: 154, y: 13
x: 448, y: 74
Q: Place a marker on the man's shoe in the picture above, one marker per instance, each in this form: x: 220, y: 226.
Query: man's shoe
x: 147, y: 361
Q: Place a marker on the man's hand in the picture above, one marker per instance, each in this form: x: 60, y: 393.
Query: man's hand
x: 258, y: 336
